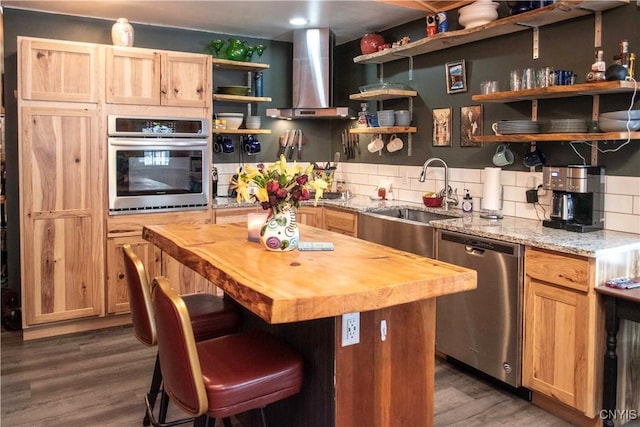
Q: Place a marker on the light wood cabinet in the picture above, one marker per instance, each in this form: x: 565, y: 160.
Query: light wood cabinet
x: 560, y: 354
x: 150, y: 77
x: 340, y: 221
x: 61, y: 206
x: 117, y: 289
x: 229, y: 215
x: 310, y: 215
x: 51, y: 70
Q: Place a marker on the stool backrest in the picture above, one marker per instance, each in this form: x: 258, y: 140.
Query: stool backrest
x: 144, y: 325
x: 177, y: 350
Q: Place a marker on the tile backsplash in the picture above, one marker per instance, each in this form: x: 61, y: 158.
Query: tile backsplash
x: 622, y: 193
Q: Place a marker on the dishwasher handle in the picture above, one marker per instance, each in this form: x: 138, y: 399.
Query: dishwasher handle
x: 473, y: 251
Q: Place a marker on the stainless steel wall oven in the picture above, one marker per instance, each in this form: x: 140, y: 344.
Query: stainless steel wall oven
x: 157, y: 164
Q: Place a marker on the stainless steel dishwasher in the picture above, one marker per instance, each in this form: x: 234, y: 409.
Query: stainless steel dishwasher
x: 482, y: 328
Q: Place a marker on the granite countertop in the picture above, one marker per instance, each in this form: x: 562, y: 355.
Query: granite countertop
x: 509, y: 229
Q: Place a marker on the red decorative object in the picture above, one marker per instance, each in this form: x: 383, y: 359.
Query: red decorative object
x: 370, y: 43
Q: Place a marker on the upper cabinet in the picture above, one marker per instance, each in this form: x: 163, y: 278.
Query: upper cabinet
x: 53, y: 70
x: 562, y: 10
x: 150, y: 77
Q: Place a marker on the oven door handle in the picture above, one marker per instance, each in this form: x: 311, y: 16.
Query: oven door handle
x: 160, y: 142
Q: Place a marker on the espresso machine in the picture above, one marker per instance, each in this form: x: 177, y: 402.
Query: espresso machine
x: 578, y: 197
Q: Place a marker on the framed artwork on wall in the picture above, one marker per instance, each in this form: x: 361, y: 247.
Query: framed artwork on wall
x: 442, y: 127
x: 456, y: 76
x: 470, y: 125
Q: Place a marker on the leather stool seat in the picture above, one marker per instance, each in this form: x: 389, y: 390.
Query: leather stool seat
x: 261, y: 371
x: 211, y: 316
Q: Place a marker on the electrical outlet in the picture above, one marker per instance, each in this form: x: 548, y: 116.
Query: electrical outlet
x: 350, y: 329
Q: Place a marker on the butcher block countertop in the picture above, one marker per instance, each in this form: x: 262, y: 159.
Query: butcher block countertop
x: 294, y: 286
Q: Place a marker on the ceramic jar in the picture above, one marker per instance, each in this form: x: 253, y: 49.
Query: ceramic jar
x: 370, y: 43
x: 280, y: 232
x: 122, y: 33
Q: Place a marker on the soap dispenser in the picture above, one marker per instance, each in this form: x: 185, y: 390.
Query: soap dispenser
x: 467, y: 202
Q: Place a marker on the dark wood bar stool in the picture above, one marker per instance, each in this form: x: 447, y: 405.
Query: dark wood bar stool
x: 211, y: 317
x: 220, y: 377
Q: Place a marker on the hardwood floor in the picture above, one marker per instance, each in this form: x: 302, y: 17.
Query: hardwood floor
x: 99, y: 379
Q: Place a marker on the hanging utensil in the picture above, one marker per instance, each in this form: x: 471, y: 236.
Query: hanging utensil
x: 292, y: 143
x: 284, y: 139
x: 299, y: 144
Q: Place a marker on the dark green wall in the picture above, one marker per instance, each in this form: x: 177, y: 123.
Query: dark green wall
x: 567, y: 45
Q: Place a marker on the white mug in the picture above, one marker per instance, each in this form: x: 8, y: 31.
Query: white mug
x: 395, y: 144
x: 376, y: 144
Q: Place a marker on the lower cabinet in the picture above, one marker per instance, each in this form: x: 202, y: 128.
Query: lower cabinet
x: 229, y: 215
x: 341, y: 221
x: 117, y: 291
x: 310, y: 215
x: 561, y: 352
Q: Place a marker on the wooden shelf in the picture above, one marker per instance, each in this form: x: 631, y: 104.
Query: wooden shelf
x: 240, y: 99
x: 560, y: 137
x: 428, y: 6
x: 242, y: 131
x: 227, y: 64
x: 385, y: 130
x: 383, y: 94
x: 595, y: 88
x: 563, y: 10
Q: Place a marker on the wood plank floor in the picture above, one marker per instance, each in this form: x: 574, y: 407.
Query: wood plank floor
x: 99, y: 379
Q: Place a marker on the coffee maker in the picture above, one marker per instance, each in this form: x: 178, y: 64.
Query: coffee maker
x: 578, y: 197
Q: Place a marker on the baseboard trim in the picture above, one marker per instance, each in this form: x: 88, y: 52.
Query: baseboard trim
x: 565, y: 412
x: 71, y: 327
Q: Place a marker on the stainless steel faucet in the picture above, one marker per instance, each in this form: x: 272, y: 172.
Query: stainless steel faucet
x: 450, y: 196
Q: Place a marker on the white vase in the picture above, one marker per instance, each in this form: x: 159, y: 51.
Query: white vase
x: 280, y: 232
x: 122, y: 33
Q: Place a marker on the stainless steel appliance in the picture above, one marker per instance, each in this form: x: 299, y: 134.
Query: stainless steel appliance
x: 157, y: 164
x: 312, y: 78
x: 578, y: 197
x: 482, y: 328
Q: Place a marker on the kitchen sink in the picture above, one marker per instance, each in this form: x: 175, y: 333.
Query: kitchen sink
x: 400, y: 228
x: 413, y: 214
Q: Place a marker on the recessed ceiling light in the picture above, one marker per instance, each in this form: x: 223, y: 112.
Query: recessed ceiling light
x: 298, y: 21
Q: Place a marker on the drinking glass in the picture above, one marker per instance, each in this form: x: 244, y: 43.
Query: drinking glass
x: 259, y: 49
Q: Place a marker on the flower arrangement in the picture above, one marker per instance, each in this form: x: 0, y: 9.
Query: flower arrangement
x: 279, y: 185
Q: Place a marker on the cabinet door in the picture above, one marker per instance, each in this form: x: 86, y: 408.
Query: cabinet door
x: 133, y: 76
x: 61, y: 208
x: 341, y: 221
x: 310, y: 215
x: 556, y: 342
x: 185, y: 280
x: 186, y: 80
x: 117, y: 289
x: 58, y: 71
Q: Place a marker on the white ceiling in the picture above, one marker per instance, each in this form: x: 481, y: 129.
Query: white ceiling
x: 264, y: 19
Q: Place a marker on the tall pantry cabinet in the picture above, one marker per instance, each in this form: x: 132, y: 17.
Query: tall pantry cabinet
x: 71, y: 249
x: 61, y: 179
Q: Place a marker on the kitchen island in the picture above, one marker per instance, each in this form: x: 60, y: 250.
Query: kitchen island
x: 385, y: 379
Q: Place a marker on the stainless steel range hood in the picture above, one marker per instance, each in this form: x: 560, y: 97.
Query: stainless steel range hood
x: 312, y: 78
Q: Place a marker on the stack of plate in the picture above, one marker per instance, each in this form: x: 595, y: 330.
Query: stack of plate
x: 566, y: 126
x: 517, y: 126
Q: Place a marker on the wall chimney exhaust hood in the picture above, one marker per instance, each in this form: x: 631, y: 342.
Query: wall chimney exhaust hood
x: 312, y: 78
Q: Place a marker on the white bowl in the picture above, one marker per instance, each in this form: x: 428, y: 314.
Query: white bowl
x: 621, y: 115
x: 252, y: 122
x: 611, y: 125
x: 478, y: 14
x: 234, y: 120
